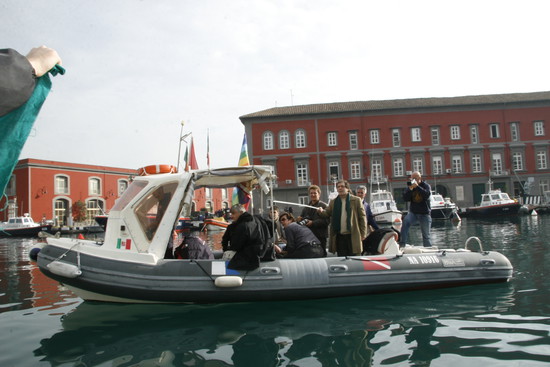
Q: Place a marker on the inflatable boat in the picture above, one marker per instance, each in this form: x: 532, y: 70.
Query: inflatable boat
x: 129, y: 266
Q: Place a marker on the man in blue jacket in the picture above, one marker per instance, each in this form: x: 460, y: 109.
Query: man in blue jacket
x: 418, y: 194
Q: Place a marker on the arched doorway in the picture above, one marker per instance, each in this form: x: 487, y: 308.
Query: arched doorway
x: 442, y: 190
x: 62, y: 213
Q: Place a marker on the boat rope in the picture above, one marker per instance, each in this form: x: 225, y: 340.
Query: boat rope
x: 203, y: 270
x: 66, y: 252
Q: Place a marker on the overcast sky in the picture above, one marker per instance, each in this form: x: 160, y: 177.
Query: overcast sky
x: 136, y: 69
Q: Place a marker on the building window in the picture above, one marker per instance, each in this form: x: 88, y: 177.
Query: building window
x: 542, y: 162
x: 302, y: 174
x: 332, y: 139
x: 268, y: 140
x: 476, y: 163
x: 497, y: 164
x: 303, y: 199
x: 539, y: 128
x: 544, y: 186
x: 122, y: 186
x: 208, y: 192
x: 61, y: 185
x: 437, y: 165
x: 284, y: 139
x: 376, y: 170
x: 94, y: 208
x: 11, y: 188
x: 355, y: 170
x: 474, y: 134
x: 224, y: 193
x: 353, y: 143
x: 398, y: 170
x: 396, y: 137
x: 457, y: 164
x: 415, y: 134
x: 494, y: 131
x: 435, y: 136
x: 208, y: 206
x: 417, y: 165
x: 94, y: 186
x: 61, y: 211
x: 334, y: 170
x: 517, y: 161
x: 375, y: 136
x: 300, y: 137
x: 455, y: 132
x: 514, y: 131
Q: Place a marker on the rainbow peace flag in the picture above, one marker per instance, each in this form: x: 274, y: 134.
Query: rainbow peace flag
x: 241, y: 193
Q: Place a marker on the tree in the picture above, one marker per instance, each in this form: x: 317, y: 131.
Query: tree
x: 79, y: 211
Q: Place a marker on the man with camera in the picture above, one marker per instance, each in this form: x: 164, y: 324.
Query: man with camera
x: 418, y: 194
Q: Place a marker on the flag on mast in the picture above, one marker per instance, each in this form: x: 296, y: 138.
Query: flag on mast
x: 208, y: 148
x: 192, y: 158
x: 186, y: 159
x: 241, y: 193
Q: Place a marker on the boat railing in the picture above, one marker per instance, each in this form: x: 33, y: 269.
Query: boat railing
x: 471, y: 239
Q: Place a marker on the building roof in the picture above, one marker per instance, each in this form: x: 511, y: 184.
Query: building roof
x: 399, y: 104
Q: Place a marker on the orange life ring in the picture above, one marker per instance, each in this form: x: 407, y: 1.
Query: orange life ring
x: 156, y: 169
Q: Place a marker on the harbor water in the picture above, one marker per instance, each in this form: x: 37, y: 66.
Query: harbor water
x: 506, y: 324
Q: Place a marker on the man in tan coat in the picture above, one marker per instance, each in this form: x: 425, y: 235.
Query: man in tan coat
x: 348, y: 222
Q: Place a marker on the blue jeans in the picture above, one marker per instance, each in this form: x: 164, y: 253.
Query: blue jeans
x: 425, y: 221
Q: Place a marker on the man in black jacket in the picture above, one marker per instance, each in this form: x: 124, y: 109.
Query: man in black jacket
x: 418, y: 194
x: 246, y: 239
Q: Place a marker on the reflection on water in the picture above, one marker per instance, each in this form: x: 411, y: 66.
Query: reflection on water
x: 331, y: 332
x: 490, y: 325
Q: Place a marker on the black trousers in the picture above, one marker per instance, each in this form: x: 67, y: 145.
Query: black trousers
x: 343, y: 245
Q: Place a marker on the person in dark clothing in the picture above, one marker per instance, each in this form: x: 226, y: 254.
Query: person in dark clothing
x: 301, y: 242
x: 18, y: 74
x: 312, y: 219
x: 245, y: 239
x: 362, y: 193
x: 192, y: 247
x: 418, y: 194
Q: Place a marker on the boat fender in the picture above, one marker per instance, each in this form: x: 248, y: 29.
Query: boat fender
x: 64, y: 269
x: 228, y: 281
x: 33, y: 253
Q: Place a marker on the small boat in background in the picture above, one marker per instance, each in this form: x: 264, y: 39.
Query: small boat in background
x: 383, y: 207
x: 494, y: 203
x: 215, y: 224
x: 442, y: 208
x: 23, y: 226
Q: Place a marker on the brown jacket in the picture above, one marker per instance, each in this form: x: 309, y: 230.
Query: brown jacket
x: 358, y: 221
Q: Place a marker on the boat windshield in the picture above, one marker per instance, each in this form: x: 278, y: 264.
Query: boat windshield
x: 152, y: 207
x: 129, y: 194
x: 437, y: 198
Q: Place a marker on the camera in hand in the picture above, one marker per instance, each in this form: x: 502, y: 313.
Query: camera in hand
x: 303, y: 222
x: 410, y: 183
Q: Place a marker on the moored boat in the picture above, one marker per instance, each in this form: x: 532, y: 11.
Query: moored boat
x: 494, y: 203
x: 442, y: 208
x: 129, y: 266
x: 215, y: 224
x: 383, y: 207
x: 23, y: 226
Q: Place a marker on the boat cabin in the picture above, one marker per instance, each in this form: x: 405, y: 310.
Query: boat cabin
x: 495, y: 197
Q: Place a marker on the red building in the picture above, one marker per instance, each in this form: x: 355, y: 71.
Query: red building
x: 48, y: 190
x: 457, y: 143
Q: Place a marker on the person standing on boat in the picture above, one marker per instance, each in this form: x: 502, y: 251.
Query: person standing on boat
x: 312, y: 219
x: 418, y: 194
x: 301, y: 242
x: 362, y: 194
x: 348, y: 222
x: 245, y: 238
